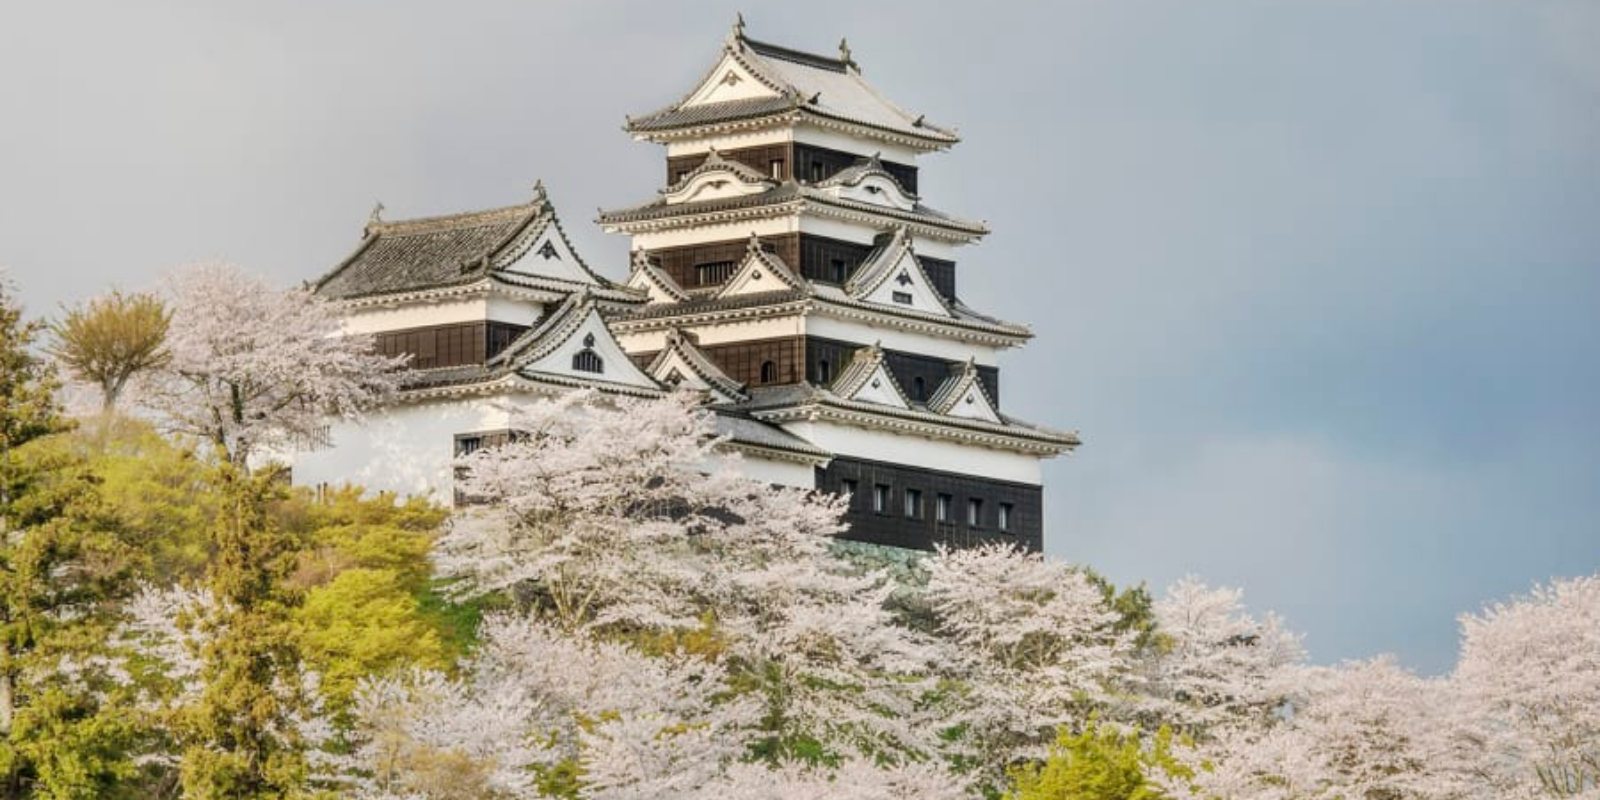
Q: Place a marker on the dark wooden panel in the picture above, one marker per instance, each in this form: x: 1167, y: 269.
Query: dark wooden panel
x: 823, y: 258
x: 942, y: 274
x: 835, y: 354
x: 449, y: 345
x: 813, y: 163
x: 760, y: 159
x: 683, y: 263
x: 893, y: 527
x: 742, y: 361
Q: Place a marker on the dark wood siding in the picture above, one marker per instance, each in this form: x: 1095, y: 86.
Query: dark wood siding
x: 942, y: 274
x: 836, y: 353
x: 742, y: 360
x: 818, y: 254
x: 893, y: 527
x: 683, y: 263
x: 757, y: 158
x: 449, y: 345
x: 813, y: 163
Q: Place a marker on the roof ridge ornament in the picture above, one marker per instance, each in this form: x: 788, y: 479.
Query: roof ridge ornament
x: 844, y: 54
x: 539, y: 195
x: 376, y: 217
x: 736, y: 34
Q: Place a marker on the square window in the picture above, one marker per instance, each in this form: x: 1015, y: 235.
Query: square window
x: 847, y: 487
x: 942, y: 507
x: 902, y: 297
x: 975, y: 512
x: 841, y: 273
x: 880, y: 498
x: 777, y: 168
x: 1004, y: 518
x: 913, y: 504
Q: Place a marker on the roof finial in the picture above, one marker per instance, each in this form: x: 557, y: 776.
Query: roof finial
x: 754, y: 245
x: 538, y: 190
x: 844, y: 52
x: 736, y: 35
x: 377, y: 213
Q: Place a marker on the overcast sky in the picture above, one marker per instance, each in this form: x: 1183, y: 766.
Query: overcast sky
x: 1318, y: 282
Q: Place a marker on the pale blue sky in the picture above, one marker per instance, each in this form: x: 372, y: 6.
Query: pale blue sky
x: 1319, y: 282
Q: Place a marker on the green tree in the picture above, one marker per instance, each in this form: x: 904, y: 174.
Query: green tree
x: 112, y: 338
x: 1102, y: 763
x: 63, y: 567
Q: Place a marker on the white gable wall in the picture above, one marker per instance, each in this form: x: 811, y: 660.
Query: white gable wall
x: 729, y: 81
x: 561, y: 264
x: 618, y: 368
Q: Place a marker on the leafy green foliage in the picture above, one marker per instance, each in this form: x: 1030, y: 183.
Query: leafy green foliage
x: 1102, y: 763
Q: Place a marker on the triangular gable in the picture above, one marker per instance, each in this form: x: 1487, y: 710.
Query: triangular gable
x: 542, y: 249
x: 730, y: 79
x: 868, y: 380
x: 760, y: 272
x: 894, y: 277
x: 962, y: 395
x: 574, y: 343
x: 656, y: 283
x: 681, y: 363
x: 867, y: 181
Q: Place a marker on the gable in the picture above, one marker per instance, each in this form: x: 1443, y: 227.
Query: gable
x: 543, y: 251
x: 658, y: 287
x: 730, y: 80
x: 973, y: 403
x: 876, y: 189
x: 879, y: 387
x: 760, y: 272
x: 673, y: 369
x: 904, y: 285
x: 590, y: 337
x: 717, y: 184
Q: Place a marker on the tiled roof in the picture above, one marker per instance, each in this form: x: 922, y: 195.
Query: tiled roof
x: 742, y: 429
x: 778, y: 400
x: 684, y: 346
x: 862, y: 168
x: 786, y: 192
x: 453, y: 250
x: 806, y: 83
x: 424, y: 253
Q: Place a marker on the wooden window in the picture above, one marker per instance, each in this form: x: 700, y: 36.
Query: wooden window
x: 817, y: 171
x: 713, y: 273
x: 913, y: 500
x: 919, y: 389
x: 824, y: 372
x: 902, y: 297
x: 1004, y: 519
x: 941, y: 507
x: 587, y: 360
x: 880, y: 498
x: 975, y: 512
x: 777, y: 168
x: 841, y: 273
x: 769, y: 372
x: 848, y: 487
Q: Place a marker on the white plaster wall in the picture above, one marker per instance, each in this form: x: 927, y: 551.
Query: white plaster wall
x: 895, y: 448
x: 653, y: 240
x: 416, y: 315
x: 720, y: 333
x: 895, y: 339
x: 772, y: 471
x: 405, y: 449
x: 732, y: 141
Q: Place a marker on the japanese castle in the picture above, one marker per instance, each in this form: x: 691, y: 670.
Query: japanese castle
x: 789, y: 271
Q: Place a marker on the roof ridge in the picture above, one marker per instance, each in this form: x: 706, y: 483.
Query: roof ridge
x: 431, y: 224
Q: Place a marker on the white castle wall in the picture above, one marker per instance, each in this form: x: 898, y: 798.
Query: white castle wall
x: 845, y: 440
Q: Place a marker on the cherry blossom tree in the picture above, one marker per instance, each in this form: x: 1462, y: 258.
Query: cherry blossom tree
x: 1528, y: 683
x: 1213, y: 663
x: 1035, y: 648
x: 251, y: 367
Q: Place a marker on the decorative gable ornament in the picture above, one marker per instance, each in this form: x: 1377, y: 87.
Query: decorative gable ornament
x: 681, y: 363
x: 963, y: 395
x: 868, y: 380
x: 749, y: 277
x: 892, y: 276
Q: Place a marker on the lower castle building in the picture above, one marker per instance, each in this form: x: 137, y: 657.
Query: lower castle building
x: 788, y: 270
